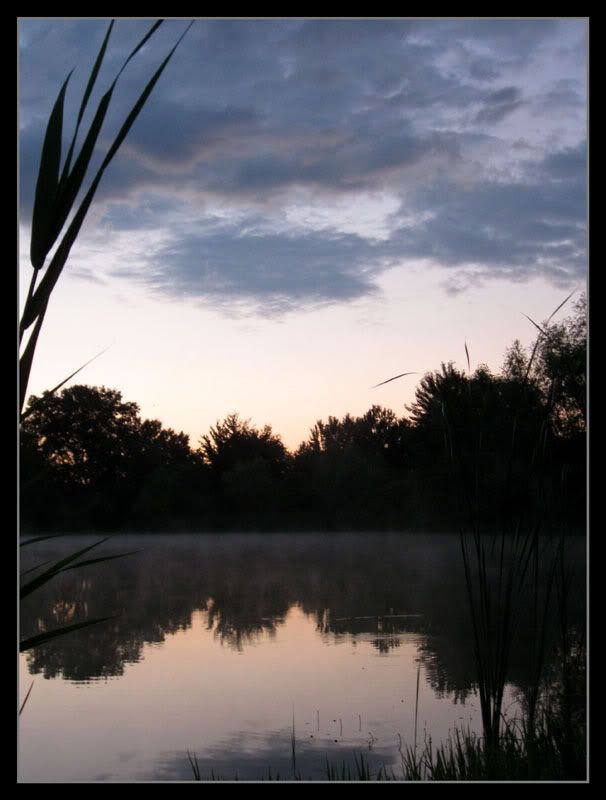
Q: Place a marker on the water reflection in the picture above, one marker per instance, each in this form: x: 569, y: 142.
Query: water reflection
x: 378, y: 587
x: 260, y: 756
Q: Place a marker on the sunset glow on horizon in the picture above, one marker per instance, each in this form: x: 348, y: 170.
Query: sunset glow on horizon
x: 305, y: 208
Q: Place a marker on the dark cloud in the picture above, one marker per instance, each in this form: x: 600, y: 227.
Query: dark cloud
x: 565, y: 94
x: 270, y: 273
x: 499, y: 104
x: 483, y: 70
x: 251, y: 112
x: 192, y: 130
x: 515, y: 229
x: 492, y: 229
x: 569, y: 164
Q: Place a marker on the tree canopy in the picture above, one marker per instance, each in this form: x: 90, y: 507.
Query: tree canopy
x: 89, y: 459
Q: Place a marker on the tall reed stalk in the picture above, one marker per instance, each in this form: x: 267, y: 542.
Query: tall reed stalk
x: 501, y: 567
x: 58, y: 187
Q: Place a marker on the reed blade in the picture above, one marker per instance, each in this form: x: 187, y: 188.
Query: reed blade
x: 29, y: 691
x: 401, y: 375
x: 56, y: 388
x: 72, y: 183
x: 47, y: 183
x: 33, y: 569
x: 85, y: 98
x: 26, y: 360
x: 90, y: 561
x: 55, y: 569
x: 42, y: 638
x: 42, y: 294
x: 141, y: 102
x: 553, y: 313
x: 41, y: 539
x: 538, y: 327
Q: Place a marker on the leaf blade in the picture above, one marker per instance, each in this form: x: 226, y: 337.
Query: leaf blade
x: 26, y: 360
x: 50, y: 573
x: 42, y: 638
x: 47, y: 182
x: 401, y: 375
x: 85, y: 98
x: 42, y: 293
x: 26, y: 698
x: 553, y: 313
x: 90, y: 561
x: 41, y: 539
x: 26, y: 414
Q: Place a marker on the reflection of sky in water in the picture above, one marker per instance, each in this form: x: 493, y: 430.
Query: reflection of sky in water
x: 235, y: 709
x: 220, y: 640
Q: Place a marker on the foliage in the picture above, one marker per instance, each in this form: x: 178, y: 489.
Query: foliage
x: 377, y: 434
x: 42, y: 577
x: 88, y: 459
x: 235, y: 442
x: 98, y: 456
x: 561, y: 371
x: 58, y: 187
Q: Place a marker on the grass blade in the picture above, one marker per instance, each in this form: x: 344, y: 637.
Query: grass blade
x: 194, y: 766
x: 26, y: 414
x: 87, y: 93
x: 553, y: 313
x: 26, y: 360
x: 417, y: 704
x: 151, y: 31
x: 42, y: 294
x: 71, y: 182
x: 141, y: 102
x: 97, y: 560
x: 538, y: 327
x: 86, y: 363
x: 29, y: 691
x: 52, y: 571
x: 41, y: 539
x: 401, y: 375
x: 47, y: 183
x: 33, y: 569
x: 42, y: 638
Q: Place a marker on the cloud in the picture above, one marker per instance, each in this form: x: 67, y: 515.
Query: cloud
x: 256, y: 263
x: 499, y: 104
x: 269, y: 274
x: 253, y: 119
x: 516, y: 230
x: 193, y: 132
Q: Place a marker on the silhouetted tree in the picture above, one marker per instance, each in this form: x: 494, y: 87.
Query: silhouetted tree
x: 378, y: 433
x: 561, y: 370
x: 84, y: 432
x: 349, y: 471
x: 515, y: 362
x: 96, y: 453
x: 235, y: 442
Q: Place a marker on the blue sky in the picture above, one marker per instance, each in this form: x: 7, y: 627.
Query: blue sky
x: 308, y: 206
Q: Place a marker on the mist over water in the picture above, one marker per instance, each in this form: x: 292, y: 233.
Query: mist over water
x: 222, y: 641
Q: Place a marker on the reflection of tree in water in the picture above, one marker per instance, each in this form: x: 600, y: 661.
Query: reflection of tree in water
x: 447, y: 667
x: 384, y: 645
x: 237, y: 625
x: 245, y: 585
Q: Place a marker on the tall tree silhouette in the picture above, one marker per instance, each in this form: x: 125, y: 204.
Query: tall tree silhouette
x: 234, y: 442
x: 97, y: 455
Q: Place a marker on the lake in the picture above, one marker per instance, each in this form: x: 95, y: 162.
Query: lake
x: 233, y: 646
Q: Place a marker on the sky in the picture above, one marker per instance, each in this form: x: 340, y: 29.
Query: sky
x: 307, y: 207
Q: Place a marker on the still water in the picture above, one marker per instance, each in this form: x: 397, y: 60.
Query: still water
x: 230, y: 646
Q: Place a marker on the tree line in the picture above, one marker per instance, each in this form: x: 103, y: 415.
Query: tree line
x: 495, y: 448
